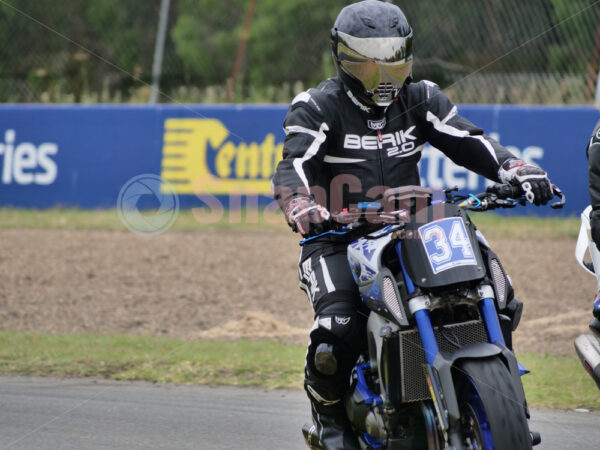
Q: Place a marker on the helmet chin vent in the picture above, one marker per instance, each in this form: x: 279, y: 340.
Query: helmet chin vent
x: 385, y: 89
x: 384, y: 92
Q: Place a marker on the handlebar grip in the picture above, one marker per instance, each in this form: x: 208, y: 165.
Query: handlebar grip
x: 504, y: 191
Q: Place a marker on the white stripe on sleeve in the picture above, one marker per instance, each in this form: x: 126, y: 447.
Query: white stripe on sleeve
x: 443, y: 127
x: 312, y: 150
x: 291, y: 129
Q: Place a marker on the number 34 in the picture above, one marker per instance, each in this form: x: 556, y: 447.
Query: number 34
x: 445, y: 244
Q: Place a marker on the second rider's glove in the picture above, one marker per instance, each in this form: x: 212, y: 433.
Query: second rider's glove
x: 530, y: 178
x: 307, y: 217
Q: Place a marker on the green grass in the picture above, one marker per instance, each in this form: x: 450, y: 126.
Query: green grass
x: 490, y: 224
x: 527, y: 227
x: 244, y: 363
x: 554, y: 382
x: 558, y: 382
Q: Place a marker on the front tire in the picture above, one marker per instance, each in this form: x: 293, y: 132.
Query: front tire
x: 491, y: 416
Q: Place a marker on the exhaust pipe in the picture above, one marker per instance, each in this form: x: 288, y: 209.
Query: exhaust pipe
x: 588, y: 350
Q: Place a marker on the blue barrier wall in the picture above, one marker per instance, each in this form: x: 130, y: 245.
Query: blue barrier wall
x: 81, y: 156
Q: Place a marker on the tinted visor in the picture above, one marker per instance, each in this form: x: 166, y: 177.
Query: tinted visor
x: 376, y: 61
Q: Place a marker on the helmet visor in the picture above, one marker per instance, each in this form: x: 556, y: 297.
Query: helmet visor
x: 380, y: 64
x: 382, y: 49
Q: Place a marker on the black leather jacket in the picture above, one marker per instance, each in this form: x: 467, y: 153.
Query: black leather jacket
x: 344, y: 152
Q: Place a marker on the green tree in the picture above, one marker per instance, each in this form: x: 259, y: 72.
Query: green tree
x: 289, y: 40
x: 205, y: 36
x: 77, y: 44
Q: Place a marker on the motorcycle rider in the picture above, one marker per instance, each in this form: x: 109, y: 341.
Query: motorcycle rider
x: 593, y: 154
x: 347, y: 140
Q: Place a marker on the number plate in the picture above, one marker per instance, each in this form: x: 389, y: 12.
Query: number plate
x: 447, y: 244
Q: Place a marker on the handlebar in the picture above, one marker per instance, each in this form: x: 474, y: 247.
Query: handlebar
x: 500, y: 196
x: 372, y: 213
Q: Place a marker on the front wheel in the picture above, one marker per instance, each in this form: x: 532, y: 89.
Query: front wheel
x: 491, y: 417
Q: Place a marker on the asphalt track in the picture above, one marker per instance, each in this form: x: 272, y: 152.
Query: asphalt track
x: 43, y: 413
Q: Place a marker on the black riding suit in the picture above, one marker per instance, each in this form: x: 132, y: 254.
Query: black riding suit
x: 343, y: 152
x: 593, y: 154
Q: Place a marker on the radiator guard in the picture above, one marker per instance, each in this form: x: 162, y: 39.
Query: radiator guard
x: 412, y: 356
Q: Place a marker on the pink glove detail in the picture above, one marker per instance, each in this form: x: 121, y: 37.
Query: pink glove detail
x: 307, y: 217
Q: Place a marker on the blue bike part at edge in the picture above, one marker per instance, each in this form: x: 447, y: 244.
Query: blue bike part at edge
x: 369, y: 398
x: 372, y: 442
x: 522, y: 369
x: 361, y: 384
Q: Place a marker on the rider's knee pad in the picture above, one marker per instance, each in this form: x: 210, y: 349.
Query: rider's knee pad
x: 325, y: 359
x: 336, y: 340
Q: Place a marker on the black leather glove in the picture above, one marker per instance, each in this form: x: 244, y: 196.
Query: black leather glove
x: 530, y: 178
x: 307, y: 217
x: 595, y: 224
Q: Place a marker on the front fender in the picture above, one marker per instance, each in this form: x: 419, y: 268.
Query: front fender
x: 479, y: 350
x: 444, y: 362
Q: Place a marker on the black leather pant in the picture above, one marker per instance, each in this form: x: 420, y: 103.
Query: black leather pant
x: 339, y: 327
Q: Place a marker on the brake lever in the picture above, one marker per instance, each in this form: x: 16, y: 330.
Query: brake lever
x: 559, y: 193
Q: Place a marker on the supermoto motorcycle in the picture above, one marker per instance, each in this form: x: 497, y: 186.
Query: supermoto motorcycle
x: 586, y: 345
x: 438, y: 373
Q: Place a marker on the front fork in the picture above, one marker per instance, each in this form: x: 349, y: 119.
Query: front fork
x: 419, y: 307
x: 439, y: 370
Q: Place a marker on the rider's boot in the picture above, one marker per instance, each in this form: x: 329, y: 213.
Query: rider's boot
x: 331, y: 428
x: 334, y: 431
x: 335, y: 343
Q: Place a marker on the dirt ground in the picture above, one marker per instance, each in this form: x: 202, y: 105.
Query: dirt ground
x: 226, y: 284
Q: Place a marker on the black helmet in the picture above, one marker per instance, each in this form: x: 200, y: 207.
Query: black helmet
x: 371, y: 43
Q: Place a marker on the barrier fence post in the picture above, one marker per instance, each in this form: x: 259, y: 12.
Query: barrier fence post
x: 159, y: 50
